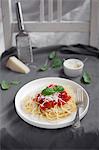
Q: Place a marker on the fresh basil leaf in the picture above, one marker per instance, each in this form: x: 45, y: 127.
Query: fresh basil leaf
x: 58, y: 88
x: 56, y: 62
x: 86, y: 78
x: 52, y: 55
x: 48, y: 91
x: 5, y: 85
x: 14, y: 82
x: 43, y: 68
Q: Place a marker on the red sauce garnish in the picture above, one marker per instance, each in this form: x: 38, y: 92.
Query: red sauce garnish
x: 63, y: 98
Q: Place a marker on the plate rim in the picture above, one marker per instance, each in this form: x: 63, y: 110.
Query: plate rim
x: 41, y: 125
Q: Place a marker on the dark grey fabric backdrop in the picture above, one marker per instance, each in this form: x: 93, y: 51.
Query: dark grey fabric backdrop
x: 16, y: 134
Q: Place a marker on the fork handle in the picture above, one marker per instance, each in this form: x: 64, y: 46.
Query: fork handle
x: 76, y: 123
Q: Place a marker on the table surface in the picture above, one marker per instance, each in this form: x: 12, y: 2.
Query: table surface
x: 16, y: 134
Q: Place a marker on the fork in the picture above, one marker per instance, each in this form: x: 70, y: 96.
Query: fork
x: 79, y: 103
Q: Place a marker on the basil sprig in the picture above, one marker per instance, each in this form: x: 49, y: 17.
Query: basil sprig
x: 53, y: 61
x: 52, y: 55
x: 50, y: 91
x: 58, y: 88
x: 56, y: 62
x: 86, y: 78
x: 5, y: 85
x: 43, y: 68
x: 14, y: 82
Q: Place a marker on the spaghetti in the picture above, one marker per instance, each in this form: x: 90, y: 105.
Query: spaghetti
x: 53, y: 102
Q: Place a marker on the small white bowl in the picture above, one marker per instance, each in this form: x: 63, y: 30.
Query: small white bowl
x: 73, y: 67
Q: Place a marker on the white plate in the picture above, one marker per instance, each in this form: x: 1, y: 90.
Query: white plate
x: 36, y: 85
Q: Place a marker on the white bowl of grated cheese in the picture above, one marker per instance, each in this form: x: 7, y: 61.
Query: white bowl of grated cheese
x: 73, y: 67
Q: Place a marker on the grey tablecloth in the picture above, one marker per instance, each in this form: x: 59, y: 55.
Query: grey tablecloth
x: 16, y: 134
